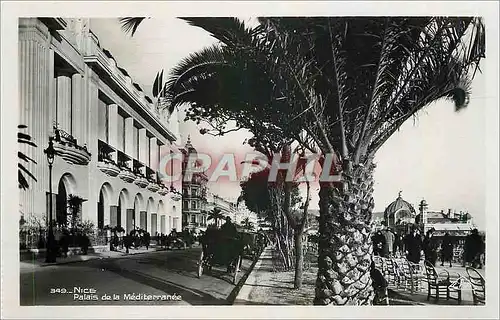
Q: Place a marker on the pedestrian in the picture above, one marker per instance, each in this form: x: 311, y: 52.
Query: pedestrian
x: 430, y: 246
x: 127, y: 241
x: 147, y: 239
x: 389, y: 242
x: 446, y: 249
x: 474, y: 248
x: 379, y: 284
x: 413, y: 245
x: 378, y: 244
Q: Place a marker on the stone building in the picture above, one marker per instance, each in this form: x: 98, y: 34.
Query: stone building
x: 194, y: 191
x: 109, y: 136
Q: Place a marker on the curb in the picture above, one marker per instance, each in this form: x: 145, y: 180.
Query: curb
x: 88, y: 258
x: 246, y: 288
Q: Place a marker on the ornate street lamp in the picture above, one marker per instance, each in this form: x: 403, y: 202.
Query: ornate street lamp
x: 50, y: 254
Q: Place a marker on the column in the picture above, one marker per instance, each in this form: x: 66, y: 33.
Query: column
x: 142, y: 145
x: 64, y: 103
x: 153, y: 150
x: 113, y: 211
x: 129, y: 136
x: 113, y: 125
x: 79, y: 113
x: 143, y: 220
x: 130, y: 220
x: 154, y: 223
x: 163, y: 228
x: 36, y: 63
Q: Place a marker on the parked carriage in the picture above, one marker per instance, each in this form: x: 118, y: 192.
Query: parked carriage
x: 221, y: 250
x: 253, y: 243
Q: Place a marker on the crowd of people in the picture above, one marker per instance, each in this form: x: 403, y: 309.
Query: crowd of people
x: 387, y: 243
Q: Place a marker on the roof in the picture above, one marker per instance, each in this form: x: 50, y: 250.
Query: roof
x: 189, y: 147
x: 398, y: 205
x: 377, y: 216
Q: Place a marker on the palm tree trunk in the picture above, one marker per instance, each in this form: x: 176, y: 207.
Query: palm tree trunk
x: 345, y: 246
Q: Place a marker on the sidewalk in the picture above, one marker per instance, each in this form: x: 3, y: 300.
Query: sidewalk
x: 38, y: 263
x: 266, y: 285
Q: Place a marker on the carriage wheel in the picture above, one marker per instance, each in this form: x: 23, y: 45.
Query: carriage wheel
x: 236, y: 269
x: 200, y: 265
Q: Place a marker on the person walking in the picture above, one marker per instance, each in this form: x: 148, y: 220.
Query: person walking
x: 389, y: 242
x: 474, y: 248
x: 430, y: 246
x: 378, y: 243
x: 446, y: 249
x: 413, y: 245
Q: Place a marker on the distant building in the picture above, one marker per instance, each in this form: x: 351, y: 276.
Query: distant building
x: 227, y: 207
x: 400, y: 215
x: 194, y: 191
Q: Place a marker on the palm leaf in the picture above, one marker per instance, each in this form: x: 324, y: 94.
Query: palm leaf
x: 130, y: 25
x: 26, y: 171
x: 24, y: 157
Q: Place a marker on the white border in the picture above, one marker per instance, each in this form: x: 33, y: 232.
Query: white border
x: 9, y: 193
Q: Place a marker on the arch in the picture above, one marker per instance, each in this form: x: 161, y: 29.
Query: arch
x: 66, y: 186
x: 122, y: 206
x: 108, y: 192
x: 124, y: 198
x: 163, y: 217
x: 150, y: 207
x: 138, y: 201
x: 103, y: 205
x: 69, y: 183
x: 138, y: 207
x: 151, y: 222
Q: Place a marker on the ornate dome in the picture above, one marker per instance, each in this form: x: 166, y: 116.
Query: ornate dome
x: 401, y: 208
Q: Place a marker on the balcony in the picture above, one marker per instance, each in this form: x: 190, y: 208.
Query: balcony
x: 105, y: 161
x: 163, y: 190
x: 109, y: 167
x: 153, y: 186
x: 126, y: 173
x: 66, y: 147
x: 140, y: 180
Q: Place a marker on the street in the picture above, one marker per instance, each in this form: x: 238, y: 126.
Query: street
x: 143, y: 279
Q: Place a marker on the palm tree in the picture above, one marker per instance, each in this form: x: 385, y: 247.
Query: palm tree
x: 340, y: 87
x: 247, y: 224
x: 216, y: 215
x: 25, y: 139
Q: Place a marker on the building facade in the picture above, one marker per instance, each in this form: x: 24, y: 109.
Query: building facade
x: 109, y: 136
x: 194, y: 191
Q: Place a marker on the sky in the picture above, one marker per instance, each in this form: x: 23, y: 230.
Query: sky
x: 440, y: 157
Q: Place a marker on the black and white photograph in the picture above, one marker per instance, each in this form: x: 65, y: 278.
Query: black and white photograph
x: 242, y: 157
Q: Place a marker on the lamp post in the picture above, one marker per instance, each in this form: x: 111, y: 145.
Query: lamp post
x: 50, y: 254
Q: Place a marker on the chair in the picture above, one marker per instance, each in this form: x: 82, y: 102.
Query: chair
x: 391, y: 272
x: 408, y: 276
x: 478, y: 286
x: 441, y: 285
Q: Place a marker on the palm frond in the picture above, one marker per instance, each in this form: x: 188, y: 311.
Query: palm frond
x: 129, y: 25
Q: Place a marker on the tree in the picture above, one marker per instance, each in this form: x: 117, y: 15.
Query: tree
x: 216, y: 215
x: 339, y: 86
x: 24, y: 139
x: 278, y: 201
x: 75, y: 206
x: 247, y: 224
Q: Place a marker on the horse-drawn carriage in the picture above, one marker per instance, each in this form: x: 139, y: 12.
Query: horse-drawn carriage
x: 219, y: 249
x: 253, y: 243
